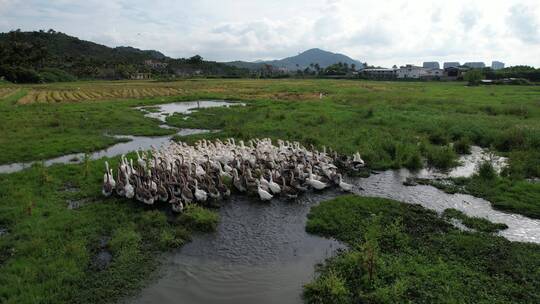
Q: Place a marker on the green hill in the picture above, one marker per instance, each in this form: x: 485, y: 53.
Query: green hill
x: 51, y: 56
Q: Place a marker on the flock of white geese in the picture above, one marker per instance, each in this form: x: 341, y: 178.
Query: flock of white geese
x: 182, y: 174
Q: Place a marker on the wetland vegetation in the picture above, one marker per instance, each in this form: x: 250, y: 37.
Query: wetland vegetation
x: 404, y: 253
x: 53, y: 254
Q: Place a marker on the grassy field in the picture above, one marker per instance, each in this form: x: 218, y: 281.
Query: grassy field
x: 391, y: 124
x: 401, y: 253
x: 48, y: 255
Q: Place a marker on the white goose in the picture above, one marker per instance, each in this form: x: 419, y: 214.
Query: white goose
x: 108, y: 181
x: 263, y: 194
x: 274, y: 187
x: 316, y: 184
x: 343, y: 185
x: 200, y: 194
x: 128, y: 188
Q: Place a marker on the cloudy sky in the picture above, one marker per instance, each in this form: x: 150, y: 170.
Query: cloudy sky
x: 382, y: 32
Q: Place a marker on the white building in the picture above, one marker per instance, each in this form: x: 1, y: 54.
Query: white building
x: 431, y: 65
x: 380, y: 73
x: 475, y: 65
x: 497, y: 65
x: 452, y: 64
x: 411, y: 71
x: 433, y: 73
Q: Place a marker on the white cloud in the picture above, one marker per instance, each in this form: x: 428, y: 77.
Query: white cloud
x: 524, y: 23
x: 380, y: 32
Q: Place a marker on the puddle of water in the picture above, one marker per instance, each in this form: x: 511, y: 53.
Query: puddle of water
x: 468, y: 164
x: 165, y: 110
x: 260, y: 253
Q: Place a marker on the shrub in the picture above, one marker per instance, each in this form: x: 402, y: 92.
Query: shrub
x: 414, y: 162
x: 328, y: 288
x: 463, y: 146
x: 473, y: 77
x: 486, y: 171
x: 441, y: 157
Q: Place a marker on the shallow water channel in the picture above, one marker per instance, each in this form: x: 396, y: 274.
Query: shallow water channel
x: 260, y: 252
x: 131, y: 143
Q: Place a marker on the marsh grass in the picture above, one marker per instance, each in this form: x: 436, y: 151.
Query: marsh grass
x: 384, y: 121
x: 48, y: 253
x: 476, y: 223
x: 421, y: 258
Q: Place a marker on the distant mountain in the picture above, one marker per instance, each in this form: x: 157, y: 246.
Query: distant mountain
x: 302, y: 60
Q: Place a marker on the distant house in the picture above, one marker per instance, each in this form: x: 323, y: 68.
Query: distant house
x: 379, y: 73
x: 451, y: 64
x: 454, y: 73
x: 141, y: 76
x: 431, y: 65
x: 497, y: 65
x: 433, y: 74
x: 475, y: 65
x: 410, y: 71
x: 155, y: 64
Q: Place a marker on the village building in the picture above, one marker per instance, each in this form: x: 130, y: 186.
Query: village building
x: 451, y: 64
x: 433, y: 74
x: 454, y: 73
x: 497, y: 65
x: 431, y: 65
x: 475, y: 65
x: 141, y: 76
x: 155, y: 64
x: 410, y: 71
x: 380, y: 73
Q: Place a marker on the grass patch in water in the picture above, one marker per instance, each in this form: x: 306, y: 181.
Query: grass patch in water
x: 401, y: 253
x: 476, y: 223
x: 199, y: 218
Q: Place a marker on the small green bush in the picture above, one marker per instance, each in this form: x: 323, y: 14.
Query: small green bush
x: 462, y: 146
x: 200, y: 219
x: 328, y: 288
x: 441, y: 157
x: 486, y: 171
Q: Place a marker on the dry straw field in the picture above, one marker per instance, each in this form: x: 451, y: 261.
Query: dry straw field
x: 117, y: 90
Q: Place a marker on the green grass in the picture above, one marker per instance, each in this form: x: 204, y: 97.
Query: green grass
x: 47, y: 256
x: 400, y: 253
x: 517, y: 196
x: 390, y: 123
x: 199, y: 218
x: 477, y: 223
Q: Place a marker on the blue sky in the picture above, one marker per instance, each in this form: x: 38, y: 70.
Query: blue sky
x: 380, y: 32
